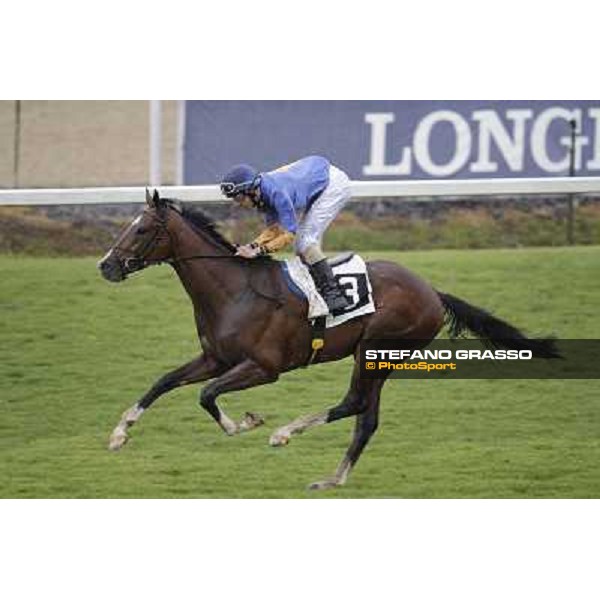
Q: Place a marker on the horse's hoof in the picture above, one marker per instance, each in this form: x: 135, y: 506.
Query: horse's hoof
x: 324, y: 485
x: 279, y: 439
x: 250, y: 421
x: 117, y: 441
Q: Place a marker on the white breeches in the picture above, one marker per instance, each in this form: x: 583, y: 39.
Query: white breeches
x: 313, y: 224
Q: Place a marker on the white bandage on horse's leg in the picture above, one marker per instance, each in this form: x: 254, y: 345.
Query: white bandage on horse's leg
x: 312, y: 254
x: 133, y: 414
x: 300, y: 425
x: 227, y: 425
x: 119, y: 435
x: 341, y: 475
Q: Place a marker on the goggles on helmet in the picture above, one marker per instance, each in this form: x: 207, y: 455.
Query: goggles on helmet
x: 231, y: 190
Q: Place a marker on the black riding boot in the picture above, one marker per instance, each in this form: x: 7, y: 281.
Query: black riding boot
x: 328, y: 288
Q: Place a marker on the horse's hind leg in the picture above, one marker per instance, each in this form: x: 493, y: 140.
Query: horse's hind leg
x: 366, y: 425
x: 354, y: 402
x: 199, y: 369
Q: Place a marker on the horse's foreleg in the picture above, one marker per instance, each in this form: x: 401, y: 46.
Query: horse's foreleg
x: 199, y: 369
x: 244, y: 375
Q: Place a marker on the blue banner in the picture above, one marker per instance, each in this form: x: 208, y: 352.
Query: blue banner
x: 407, y: 139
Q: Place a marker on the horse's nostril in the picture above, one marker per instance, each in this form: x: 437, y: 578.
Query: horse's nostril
x: 104, y: 262
x: 110, y: 269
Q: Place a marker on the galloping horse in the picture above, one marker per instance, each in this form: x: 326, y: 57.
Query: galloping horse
x: 252, y: 328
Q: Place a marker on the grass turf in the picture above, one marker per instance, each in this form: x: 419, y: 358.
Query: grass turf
x: 77, y: 351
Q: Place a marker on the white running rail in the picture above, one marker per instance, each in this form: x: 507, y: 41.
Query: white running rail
x: 414, y: 189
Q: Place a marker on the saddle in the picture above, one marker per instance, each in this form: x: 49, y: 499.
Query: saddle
x: 350, y: 272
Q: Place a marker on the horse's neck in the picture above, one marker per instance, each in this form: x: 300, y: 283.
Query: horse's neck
x: 211, y: 283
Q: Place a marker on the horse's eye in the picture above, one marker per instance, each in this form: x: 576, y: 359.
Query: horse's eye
x: 140, y: 231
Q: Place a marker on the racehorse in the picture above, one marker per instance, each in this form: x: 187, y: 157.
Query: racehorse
x: 252, y: 327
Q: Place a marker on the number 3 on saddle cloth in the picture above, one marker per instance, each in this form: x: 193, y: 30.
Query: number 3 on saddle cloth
x: 350, y: 272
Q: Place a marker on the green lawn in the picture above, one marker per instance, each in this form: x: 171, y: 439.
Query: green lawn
x: 76, y: 351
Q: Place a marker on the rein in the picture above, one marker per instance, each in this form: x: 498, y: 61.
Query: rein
x: 170, y: 261
x: 195, y: 256
x: 142, y: 262
x: 136, y: 263
x: 139, y: 262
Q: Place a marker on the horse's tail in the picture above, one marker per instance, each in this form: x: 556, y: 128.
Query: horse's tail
x: 494, y: 332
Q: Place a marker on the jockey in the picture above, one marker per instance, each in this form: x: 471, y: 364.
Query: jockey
x: 299, y: 201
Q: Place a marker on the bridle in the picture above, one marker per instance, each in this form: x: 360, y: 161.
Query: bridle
x: 140, y: 261
x: 136, y: 263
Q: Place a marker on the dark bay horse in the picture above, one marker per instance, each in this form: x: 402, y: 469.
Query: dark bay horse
x: 252, y: 328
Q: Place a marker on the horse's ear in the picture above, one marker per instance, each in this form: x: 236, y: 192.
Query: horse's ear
x: 154, y: 200
x: 149, y: 201
x: 158, y: 203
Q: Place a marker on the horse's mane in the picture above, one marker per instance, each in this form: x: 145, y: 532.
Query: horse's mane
x: 200, y: 220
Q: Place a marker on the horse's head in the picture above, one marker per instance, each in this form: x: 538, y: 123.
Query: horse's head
x: 145, y: 241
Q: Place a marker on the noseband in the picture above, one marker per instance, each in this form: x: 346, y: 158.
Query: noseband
x: 139, y: 261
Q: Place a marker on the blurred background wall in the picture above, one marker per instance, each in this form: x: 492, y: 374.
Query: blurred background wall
x: 61, y: 144
x: 55, y: 143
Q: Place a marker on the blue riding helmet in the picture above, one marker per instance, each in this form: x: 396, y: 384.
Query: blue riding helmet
x: 240, y: 179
